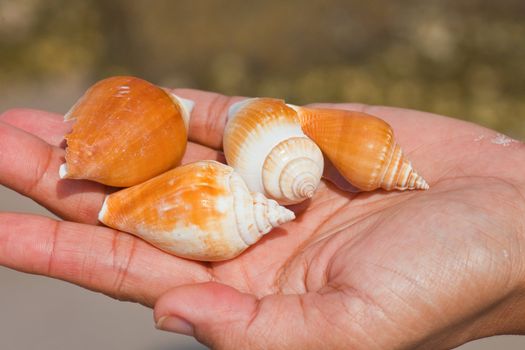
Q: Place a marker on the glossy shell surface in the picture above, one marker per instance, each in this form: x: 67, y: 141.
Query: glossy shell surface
x: 362, y: 147
x: 126, y: 130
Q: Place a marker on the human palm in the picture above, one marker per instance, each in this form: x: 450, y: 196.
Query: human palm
x: 354, y: 270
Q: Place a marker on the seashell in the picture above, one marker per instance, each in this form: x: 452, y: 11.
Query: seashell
x: 126, y: 131
x: 264, y: 143
x: 362, y: 148
x: 201, y: 211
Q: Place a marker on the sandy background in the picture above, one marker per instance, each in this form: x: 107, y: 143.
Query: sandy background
x: 462, y: 59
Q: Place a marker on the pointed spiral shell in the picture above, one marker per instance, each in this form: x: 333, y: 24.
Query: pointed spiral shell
x: 201, y: 211
x: 362, y: 147
x: 126, y: 131
x: 264, y: 143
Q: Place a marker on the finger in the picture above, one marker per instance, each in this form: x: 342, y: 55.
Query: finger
x: 47, y: 126
x: 415, y: 128
x: 207, y: 121
x: 94, y: 257
x: 209, y: 115
x: 224, y: 318
x: 204, y: 311
x: 439, y: 147
x: 51, y: 128
x: 195, y: 152
x: 30, y: 166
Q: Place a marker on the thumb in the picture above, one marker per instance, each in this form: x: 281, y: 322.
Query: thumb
x: 224, y: 318
x: 208, y: 311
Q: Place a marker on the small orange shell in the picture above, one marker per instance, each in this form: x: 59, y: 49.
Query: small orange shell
x: 362, y: 147
x: 126, y: 131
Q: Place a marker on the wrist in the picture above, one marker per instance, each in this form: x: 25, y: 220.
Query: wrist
x: 506, y: 315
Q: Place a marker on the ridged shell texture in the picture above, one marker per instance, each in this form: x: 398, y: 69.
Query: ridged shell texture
x: 264, y: 143
x: 362, y: 147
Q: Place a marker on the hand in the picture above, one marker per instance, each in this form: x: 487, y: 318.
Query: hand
x: 376, y: 270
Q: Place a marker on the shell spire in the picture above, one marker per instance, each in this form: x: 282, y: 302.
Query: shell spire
x: 362, y: 148
x: 268, y: 213
x: 399, y: 174
x: 264, y: 143
x: 201, y: 211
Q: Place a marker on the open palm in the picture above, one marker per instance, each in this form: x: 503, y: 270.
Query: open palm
x: 368, y: 270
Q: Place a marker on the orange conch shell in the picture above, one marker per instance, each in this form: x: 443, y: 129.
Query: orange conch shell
x: 126, y: 131
x: 264, y: 143
x: 362, y: 147
x: 201, y: 211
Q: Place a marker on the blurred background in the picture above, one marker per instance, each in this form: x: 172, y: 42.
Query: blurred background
x: 458, y: 58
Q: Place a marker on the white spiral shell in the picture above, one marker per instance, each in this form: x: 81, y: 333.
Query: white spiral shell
x: 264, y: 143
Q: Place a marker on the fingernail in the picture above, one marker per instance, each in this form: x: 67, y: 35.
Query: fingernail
x: 175, y: 324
